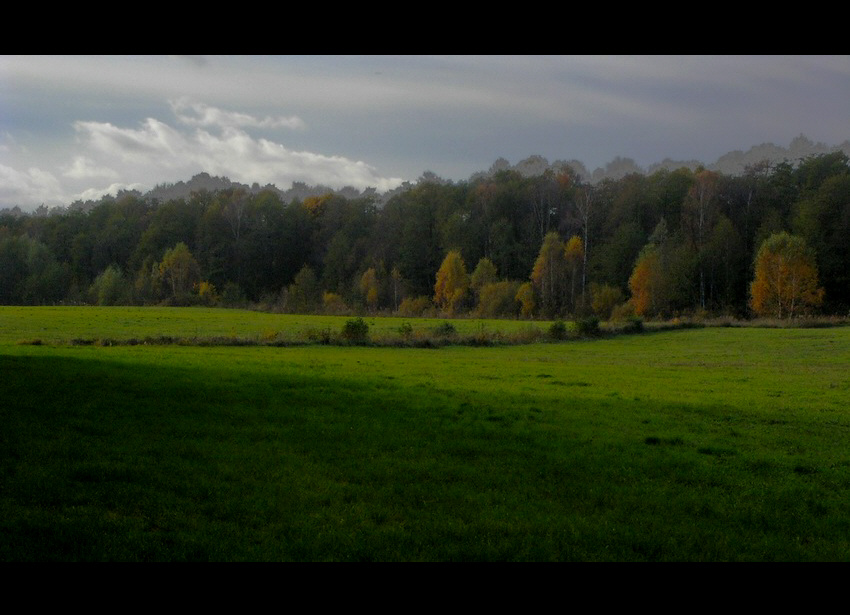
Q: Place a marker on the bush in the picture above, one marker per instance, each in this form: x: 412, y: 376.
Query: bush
x: 446, y: 329
x: 587, y: 326
x: 405, y: 330
x: 418, y: 306
x: 605, y: 299
x: 558, y: 330
x: 634, y: 324
x: 355, y: 330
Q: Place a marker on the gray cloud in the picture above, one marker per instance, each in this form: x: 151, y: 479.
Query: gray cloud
x: 71, y: 121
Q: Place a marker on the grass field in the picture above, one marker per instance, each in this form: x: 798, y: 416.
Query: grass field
x: 714, y: 444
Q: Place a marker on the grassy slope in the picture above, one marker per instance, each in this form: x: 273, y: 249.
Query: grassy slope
x: 713, y: 444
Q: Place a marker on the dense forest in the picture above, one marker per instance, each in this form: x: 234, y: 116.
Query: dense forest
x: 674, y: 242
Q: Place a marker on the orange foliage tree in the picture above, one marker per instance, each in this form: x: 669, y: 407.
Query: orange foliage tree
x: 646, y: 282
x: 786, y: 278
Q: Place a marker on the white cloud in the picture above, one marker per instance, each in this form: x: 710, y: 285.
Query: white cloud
x: 93, y: 194
x: 83, y: 167
x: 199, y: 114
x: 155, y: 149
x: 31, y: 187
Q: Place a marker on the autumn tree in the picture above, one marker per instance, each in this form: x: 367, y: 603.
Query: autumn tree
x: 498, y: 299
x: 786, y: 278
x: 574, y: 256
x: 646, y: 282
x: 525, y: 297
x: 452, y: 283
x: 484, y: 273
x: 179, y: 270
x: 369, y: 288
x: 549, y: 275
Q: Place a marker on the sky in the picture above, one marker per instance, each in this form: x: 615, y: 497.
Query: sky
x: 78, y: 127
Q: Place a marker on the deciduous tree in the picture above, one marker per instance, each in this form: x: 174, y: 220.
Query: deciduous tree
x: 452, y: 283
x: 646, y: 282
x: 179, y: 270
x: 549, y: 275
x: 369, y: 288
x: 574, y: 256
x: 786, y: 278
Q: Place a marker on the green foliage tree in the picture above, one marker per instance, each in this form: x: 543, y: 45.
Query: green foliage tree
x: 304, y: 293
x: 822, y: 218
x: 30, y: 273
x: 110, y: 288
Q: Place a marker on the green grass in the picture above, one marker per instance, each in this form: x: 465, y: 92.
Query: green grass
x: 716, y: 444
x: 55, y: 325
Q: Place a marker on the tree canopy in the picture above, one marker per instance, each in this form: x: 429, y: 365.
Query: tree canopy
x: 672, y: 242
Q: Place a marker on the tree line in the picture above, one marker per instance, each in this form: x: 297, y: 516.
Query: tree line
x: 553, y: 245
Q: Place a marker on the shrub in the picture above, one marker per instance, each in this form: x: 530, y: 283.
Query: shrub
x: 587, y: 326
x: 355, y: 330
x: 634, y: 324
x: 405, y: 330
x: 416, y: 306
x: 558, y: 330
x: 333, y: 304
x: 446, y: 329
x: 323, y: 336
x: 605, y: 299
x: 497, y: 299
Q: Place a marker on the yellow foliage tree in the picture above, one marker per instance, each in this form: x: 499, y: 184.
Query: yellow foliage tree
x: 179, y: 269
x: 452, y: 283
x: 525, y: 296
x: 574, y: 255
x: 369, y: 288
x: 786, y: 278
x: 548, y: 275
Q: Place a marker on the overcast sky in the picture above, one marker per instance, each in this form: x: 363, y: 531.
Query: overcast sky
x: 76, y: 127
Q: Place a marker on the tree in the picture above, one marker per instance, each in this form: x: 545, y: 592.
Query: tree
x: 549, y: 275
x: 369, y: 288
x: 304, y: 293
x: 574, y: 255
x: 646, y: 282
x: 700, y: 211
x: 786, y: 278
x: 109, y: 287
x: 179, y: 270
x: 498, y: 299
x: 525, y: 296
x: 452, y: 283
x: 485, y: 273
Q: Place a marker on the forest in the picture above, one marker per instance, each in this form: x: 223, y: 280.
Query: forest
x: 771, y: 241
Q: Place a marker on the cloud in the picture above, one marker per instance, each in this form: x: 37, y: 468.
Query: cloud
x: 156, y: 149
x: 33, y: 186
x: 199, y: 114
x: 85, y: 168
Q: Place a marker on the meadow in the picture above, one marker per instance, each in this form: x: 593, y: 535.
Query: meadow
x: 700, y: 444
